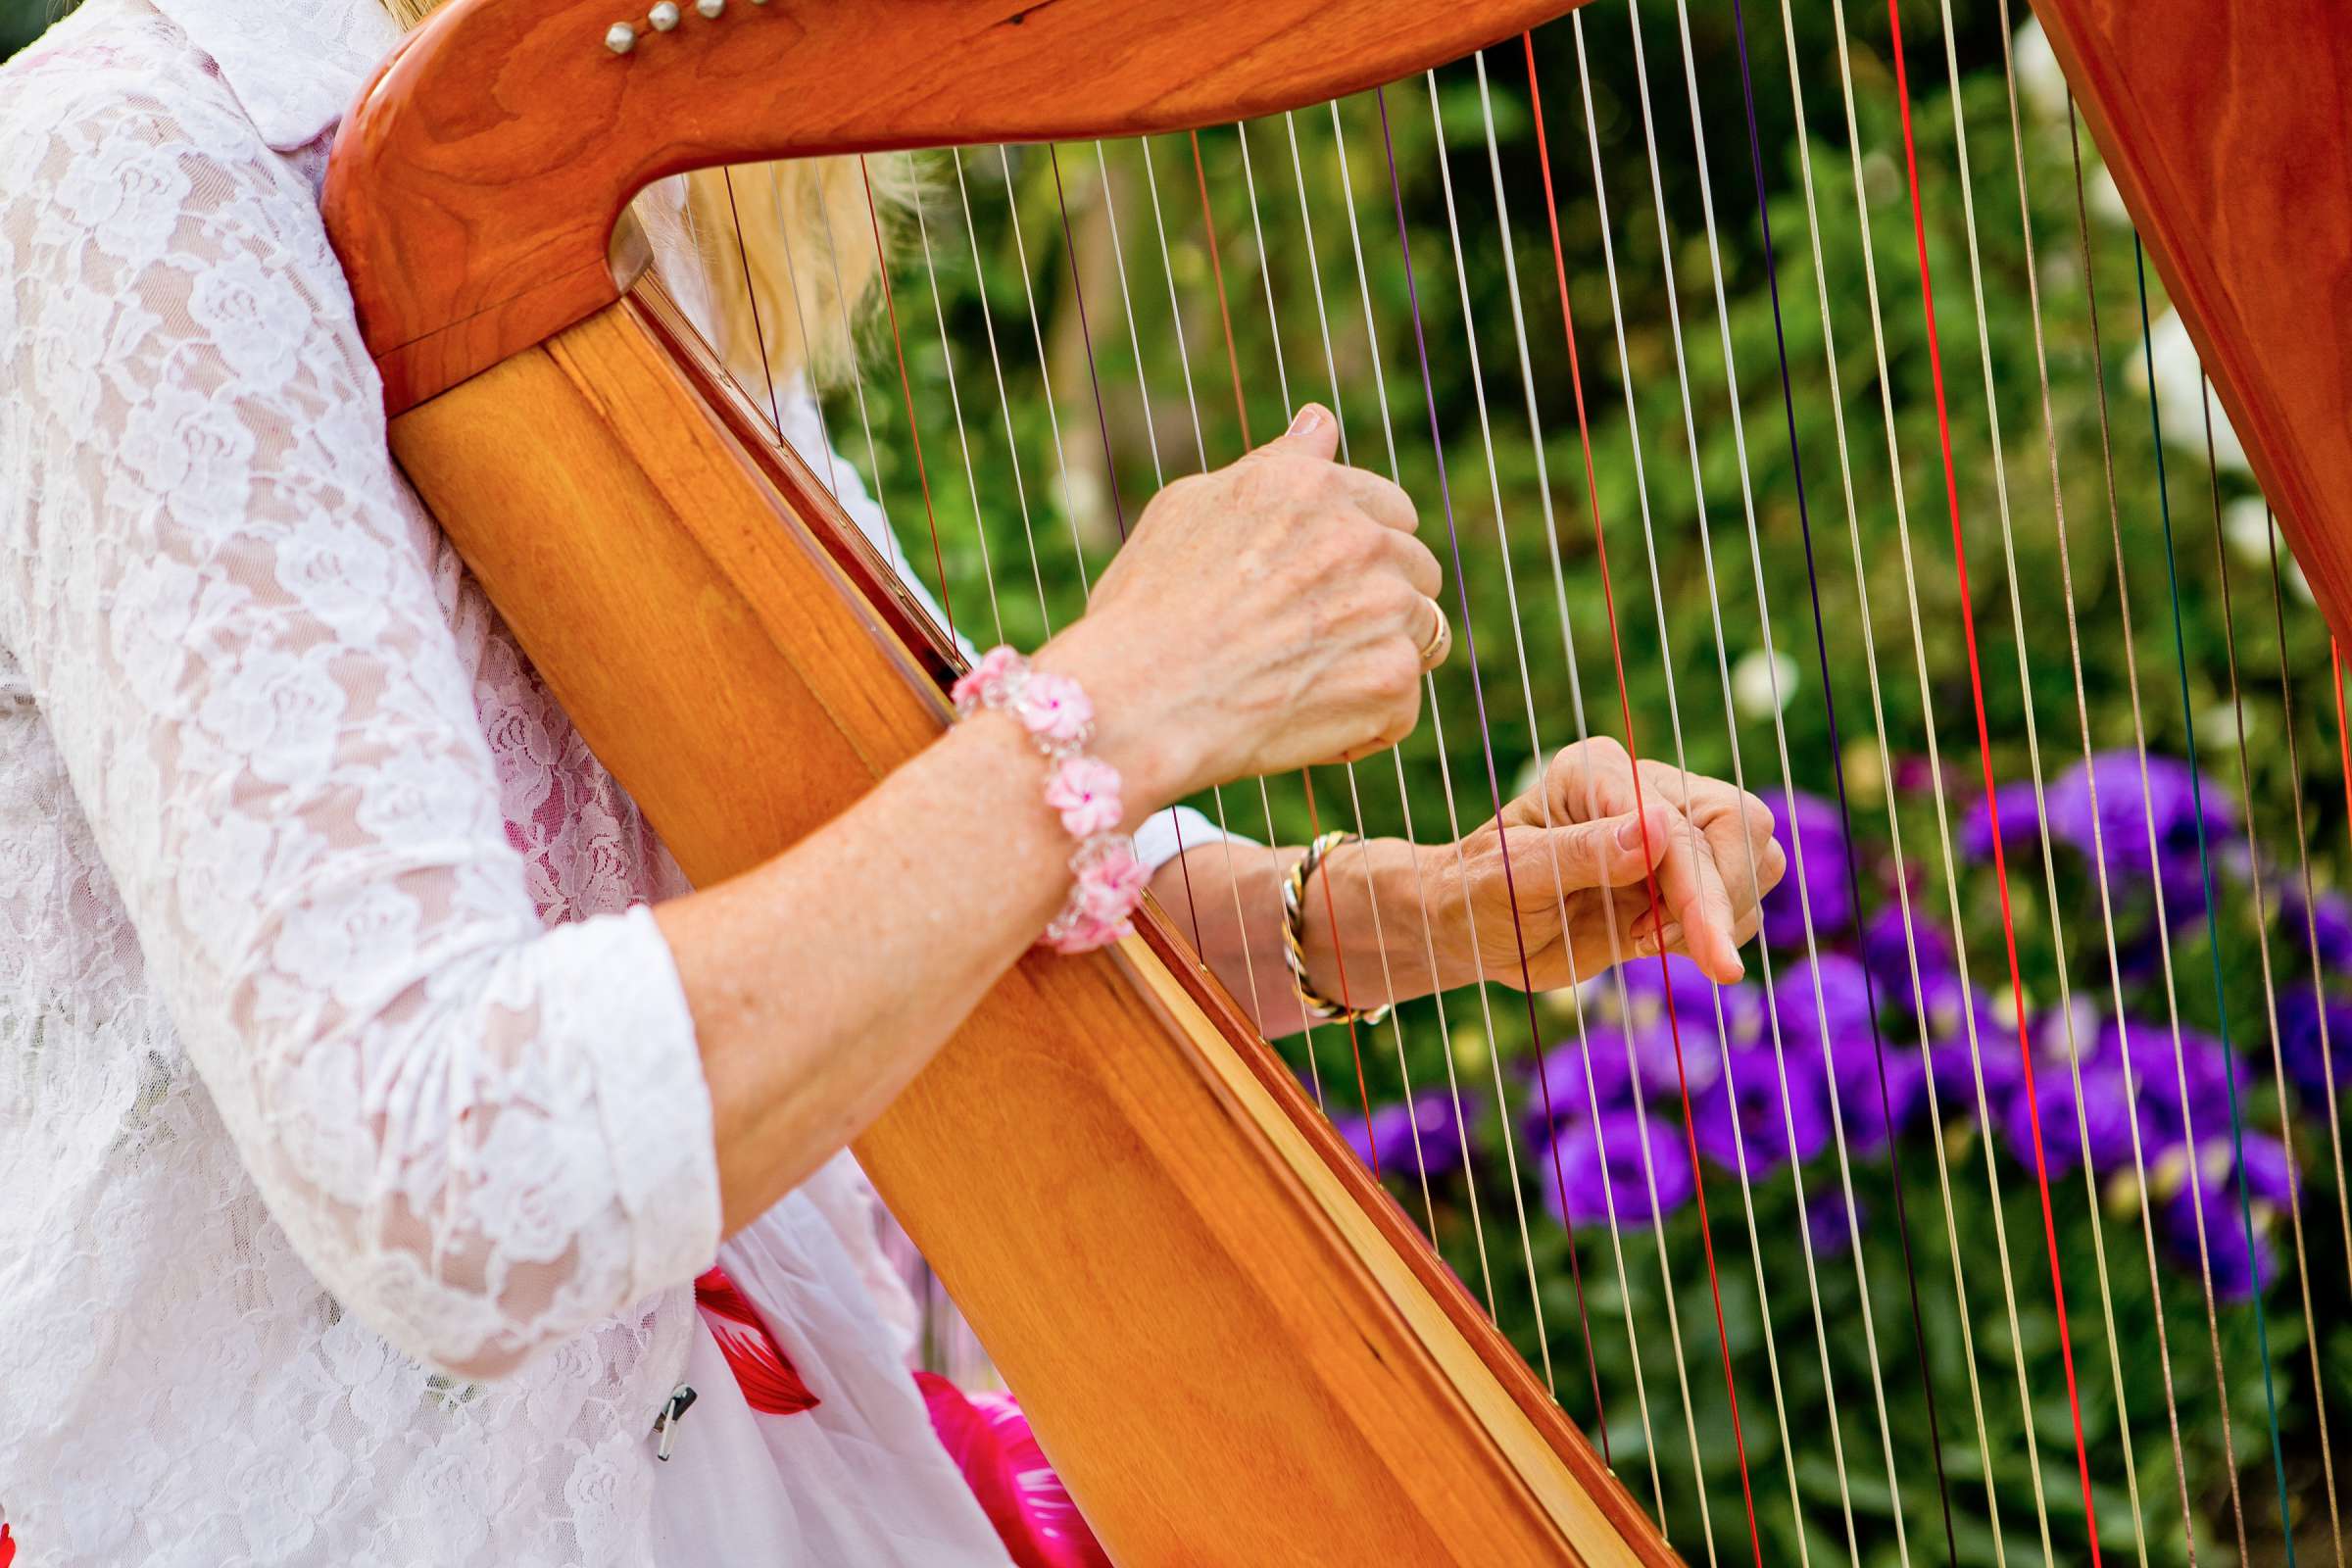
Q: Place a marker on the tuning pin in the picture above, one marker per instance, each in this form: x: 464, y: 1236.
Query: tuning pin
x: 664, y: 17
x: 620, y: 37
x: 712, y: 9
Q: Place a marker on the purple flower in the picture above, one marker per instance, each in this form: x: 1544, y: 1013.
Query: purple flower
x: 2238, y: 1272
x: 2102, y: 1117
x: 1888, y: 955
x: 2125, y: 814
x: 1952, y: 1006
x: 1768, y: 1126
x: 1601, y: 1165
x: 1831, y: 1225
x: 1842, y: 1004
x: 1691, y: 1022
x: 2326, y: 920
x: 2172, y: 1103
x: 1559, y: 1081
x: 2313, y: 1036
x: 1678, y: 1056
x: 1695, y: 999
x: 2012, y: 816
x: 1814, y: 822
x: 1870, y: 1116
x: 1388, y: 1141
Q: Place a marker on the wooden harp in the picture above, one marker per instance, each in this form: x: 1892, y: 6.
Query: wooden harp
x: 1232, y: 1342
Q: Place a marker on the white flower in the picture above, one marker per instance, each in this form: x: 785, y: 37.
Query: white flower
x: 1763, y: 683
x: 2040, y: 81
x: 2181, y: 393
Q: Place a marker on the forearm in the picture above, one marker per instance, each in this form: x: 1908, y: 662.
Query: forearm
x: 822, y: 981
x: 1376, y: 909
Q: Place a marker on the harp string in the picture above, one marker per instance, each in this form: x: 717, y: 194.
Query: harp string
x: 963, y: 441
x: 1943, y: 832
x: 1846, y: 493
x: 2033, y: 738
x: 1551, y: 546
x: 1331, y: 364
x: 1494, y: 1055
x: 1478, y: 693
x: 2270, y: 996
x: 841, y: 306
x: 2311, y: 928
x: 914, y: 434
x: 2162, y: 921
x: 2269, y: 993
x: 2220, y: 1000
x: 1568, y: 642
x: 1519, y: 644
x: 1045, y: 371
x: 1853, y: 874
x: 1797, y: 836
x: 2074, y: 647
x: 1436, y: 720
x: 996, y: 363
x: 1111, y: 469
x: 1184, y: 363
x: 2041, y: 1177
x: 751, y: 295
x: 1306, y: 777
x: 1641, y: 491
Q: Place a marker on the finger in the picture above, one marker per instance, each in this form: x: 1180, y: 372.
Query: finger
x: 1314, y: 433
x: 1691, y: 885
x: 1383, y: 500
x: 1419, y: 566
x: 1616, y: 852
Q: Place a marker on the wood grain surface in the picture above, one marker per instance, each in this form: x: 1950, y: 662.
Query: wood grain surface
x: 2229, y: 130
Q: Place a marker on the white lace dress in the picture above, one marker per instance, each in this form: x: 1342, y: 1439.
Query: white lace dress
x: 355, y: 1153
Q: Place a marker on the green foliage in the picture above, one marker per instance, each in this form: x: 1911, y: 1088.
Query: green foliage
x: 1698, y: 490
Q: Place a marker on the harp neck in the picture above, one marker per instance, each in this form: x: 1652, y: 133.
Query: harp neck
x: 475, y: 188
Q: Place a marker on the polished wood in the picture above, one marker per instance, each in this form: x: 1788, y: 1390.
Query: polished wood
x: 2229, y: 130
x: 476, y: 183
x: 1232, y: 1344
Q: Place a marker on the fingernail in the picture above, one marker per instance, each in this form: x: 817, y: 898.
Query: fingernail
x: 1309, y: 419
x: 1630, y: 832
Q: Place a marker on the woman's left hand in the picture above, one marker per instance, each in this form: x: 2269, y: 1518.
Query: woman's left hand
x: 1582, y: 862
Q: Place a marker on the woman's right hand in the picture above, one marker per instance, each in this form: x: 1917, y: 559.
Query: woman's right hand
x: 1261, y: 617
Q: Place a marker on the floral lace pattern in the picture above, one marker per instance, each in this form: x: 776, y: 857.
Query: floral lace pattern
x: 355, y: 1152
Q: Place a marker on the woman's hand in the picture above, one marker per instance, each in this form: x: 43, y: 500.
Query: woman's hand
x: 1581, y: 854
x: 1262, y: 617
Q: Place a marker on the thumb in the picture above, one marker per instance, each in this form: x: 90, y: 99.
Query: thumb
x: 1612, y: 852
x: 1314, y: 434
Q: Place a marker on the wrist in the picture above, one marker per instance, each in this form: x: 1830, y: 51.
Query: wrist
x: 1132, y: 733
x: 1375, y: 902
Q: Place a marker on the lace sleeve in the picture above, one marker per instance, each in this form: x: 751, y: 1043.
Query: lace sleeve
x: 481, y: 1134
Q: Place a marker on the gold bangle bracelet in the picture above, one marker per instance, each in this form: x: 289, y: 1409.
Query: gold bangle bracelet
x: 1293, y: 937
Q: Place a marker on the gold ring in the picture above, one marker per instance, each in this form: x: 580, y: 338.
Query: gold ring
x: 1439, y: 640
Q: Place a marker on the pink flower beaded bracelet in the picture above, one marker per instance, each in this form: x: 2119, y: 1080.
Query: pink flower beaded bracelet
x: 1083, y: 789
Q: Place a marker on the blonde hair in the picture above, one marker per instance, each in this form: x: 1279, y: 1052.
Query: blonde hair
x: 804, y: 232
